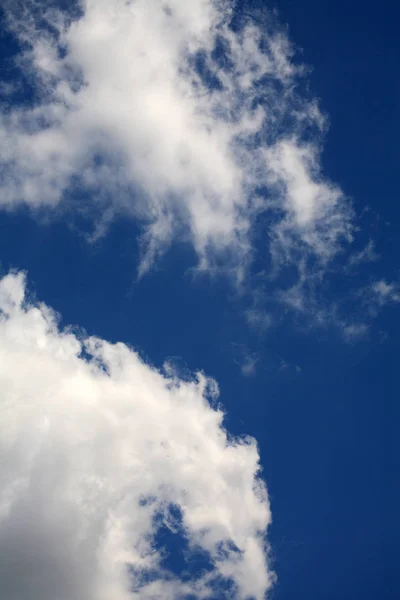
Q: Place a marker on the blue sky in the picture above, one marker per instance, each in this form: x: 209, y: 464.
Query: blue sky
x: 203, y: 197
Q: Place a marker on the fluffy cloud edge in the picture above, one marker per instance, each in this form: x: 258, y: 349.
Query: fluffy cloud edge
x: 97, y: 449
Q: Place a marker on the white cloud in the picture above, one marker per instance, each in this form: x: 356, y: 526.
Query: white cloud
x: 366, y: 255
x: 94, y: 445
x: 386, y: 292
x: 316, y: 213
x: 249, y: 365
x: 289, y: 367
x: 245, y: 359
x: 353, y: 332
x: 379, y: 294
x: 160, y: 110
x: 258, y: 319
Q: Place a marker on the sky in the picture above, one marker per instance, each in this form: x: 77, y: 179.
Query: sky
x: 199, y: 300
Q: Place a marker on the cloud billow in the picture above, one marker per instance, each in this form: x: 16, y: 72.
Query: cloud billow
x: 98, y: 450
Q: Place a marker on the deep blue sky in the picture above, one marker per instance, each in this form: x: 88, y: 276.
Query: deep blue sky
x: 328, y: 435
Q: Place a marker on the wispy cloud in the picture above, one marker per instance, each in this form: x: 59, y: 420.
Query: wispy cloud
x: 379, y: 294
x: 367, y: 255
x: 164, y: 112
x: 245, y: 359
x: 96, y: 448
x: 385, y: 292
x: 249, y: 365
x: 353, y: 332
x: 289, y: 367
x: 258, y: 319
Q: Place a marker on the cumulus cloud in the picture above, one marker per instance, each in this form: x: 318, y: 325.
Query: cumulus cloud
x: 183, y: 115
x: 98, y: 449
